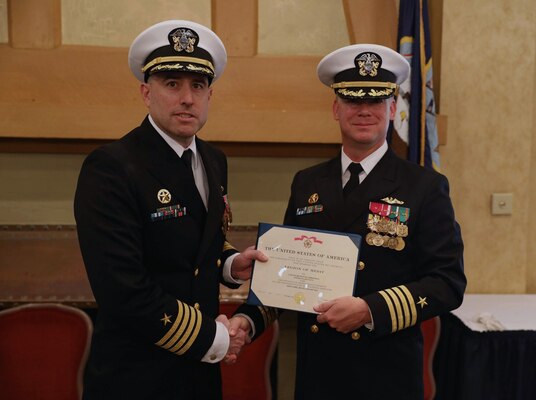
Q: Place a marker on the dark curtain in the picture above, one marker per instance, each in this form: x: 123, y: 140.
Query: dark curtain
x: 497, y: 365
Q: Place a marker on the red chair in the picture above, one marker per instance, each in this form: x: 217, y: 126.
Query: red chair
x: 431, y: 329
x: 43, y: 350
x: 249, y: 377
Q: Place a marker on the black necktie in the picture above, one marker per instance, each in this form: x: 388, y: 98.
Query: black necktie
x: 187, y: 158
x: 355, y: 169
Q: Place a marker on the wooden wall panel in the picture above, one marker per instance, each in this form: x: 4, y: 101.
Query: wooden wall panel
x: 236, y: 23
x: 85, y: 92
x: 372, y: 22
x: 44, y: 264
x: 34, y: 24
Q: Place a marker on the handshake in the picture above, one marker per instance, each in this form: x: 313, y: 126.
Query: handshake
x: 238, y: 326
x: 239, y: 335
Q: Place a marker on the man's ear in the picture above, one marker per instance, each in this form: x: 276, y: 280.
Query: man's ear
x: 145, y: 91
x: 392, y: 109
x: 335, y: 109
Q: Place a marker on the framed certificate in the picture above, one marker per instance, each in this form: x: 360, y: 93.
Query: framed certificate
x: 305, y: 267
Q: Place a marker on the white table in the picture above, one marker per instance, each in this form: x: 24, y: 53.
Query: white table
x: 513, y: 311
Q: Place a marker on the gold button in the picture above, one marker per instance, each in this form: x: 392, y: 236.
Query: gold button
x: 213, y: 357
x: 361, y: 265
x: 196, y: 272
x: 197, y: 306
x: 218, y: 263
x: 314, y: 328
x: 356, y: 335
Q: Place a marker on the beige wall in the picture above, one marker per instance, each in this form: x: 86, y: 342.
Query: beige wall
x: 488, y: 84
x: 3, y: 21
x: 39, y: 189
x: 116, y: 23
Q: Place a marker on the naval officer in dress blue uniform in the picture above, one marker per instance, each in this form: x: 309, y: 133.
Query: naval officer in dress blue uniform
x: 152, y: 211
x: 369, y: 345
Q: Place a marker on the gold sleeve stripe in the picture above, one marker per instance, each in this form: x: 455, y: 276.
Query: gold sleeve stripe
x: 194, y: 334
x: 184, y: 331
x: 171, y: 345
x: 228, y: 246
x: 398, y: 308
x: 405, y: 306
x: 273, y: 314
x: 391, y: 310
x: 173, y: 327
x: 401, y: 307
x: 262, y: 310
x: 269, y: 314
x: 411, y: 305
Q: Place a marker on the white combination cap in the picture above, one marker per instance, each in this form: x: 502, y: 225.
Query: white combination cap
x: 177, y: 45
x: 363, y: 71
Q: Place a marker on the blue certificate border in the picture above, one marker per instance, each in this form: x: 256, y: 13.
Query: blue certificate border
x: 263, y: 227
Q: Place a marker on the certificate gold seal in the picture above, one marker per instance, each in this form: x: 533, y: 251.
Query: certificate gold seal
x: 299, y: 298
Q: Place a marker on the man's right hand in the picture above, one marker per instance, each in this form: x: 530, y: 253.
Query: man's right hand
x: 239, y: 329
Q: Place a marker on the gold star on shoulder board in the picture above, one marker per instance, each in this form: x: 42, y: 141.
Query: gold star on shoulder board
x: 422, y: 302
x: 166, y: 319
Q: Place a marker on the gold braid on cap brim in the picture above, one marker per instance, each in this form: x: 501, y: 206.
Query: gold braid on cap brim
x: 390, y: 88
x: 160, y: 60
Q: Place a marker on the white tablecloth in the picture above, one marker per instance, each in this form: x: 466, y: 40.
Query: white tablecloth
x: 481, y: 312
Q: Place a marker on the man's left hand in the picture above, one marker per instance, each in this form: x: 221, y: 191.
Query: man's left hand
x: 345, y: 314
x: 243, y: 263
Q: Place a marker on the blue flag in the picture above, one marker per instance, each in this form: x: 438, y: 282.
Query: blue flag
x: 415, y: 120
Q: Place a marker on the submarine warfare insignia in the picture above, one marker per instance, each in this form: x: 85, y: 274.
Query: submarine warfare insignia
x: 392, y: 200
x: 387, y: 224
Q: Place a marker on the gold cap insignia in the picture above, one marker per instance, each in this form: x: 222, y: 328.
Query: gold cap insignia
x: 183, y: 39
x: 368, y: 64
